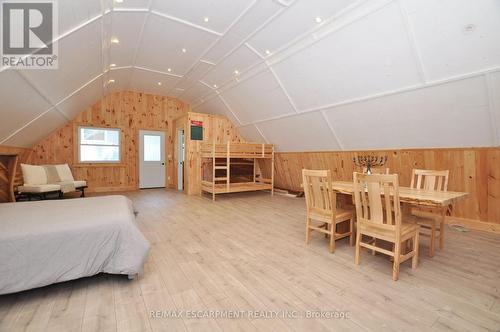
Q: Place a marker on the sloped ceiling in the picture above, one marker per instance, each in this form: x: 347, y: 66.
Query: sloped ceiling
x: 303, y: 74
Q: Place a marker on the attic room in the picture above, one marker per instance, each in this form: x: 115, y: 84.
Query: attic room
x: 253, y: 165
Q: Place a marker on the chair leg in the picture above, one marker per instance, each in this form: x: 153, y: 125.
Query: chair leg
x: 308, y: 230
x: 375, y: 244
x: 432, y: 245
x: 358, y: 247
x: 332, y: 238
x: 351, y: 230
x: 441, y: 232
x: 397, y: 258
x: 414, y: 260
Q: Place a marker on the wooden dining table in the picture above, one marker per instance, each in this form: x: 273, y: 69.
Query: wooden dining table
x: 441, y: 201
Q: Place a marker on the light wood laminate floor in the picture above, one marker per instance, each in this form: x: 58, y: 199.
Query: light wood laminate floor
x: 246, y: 252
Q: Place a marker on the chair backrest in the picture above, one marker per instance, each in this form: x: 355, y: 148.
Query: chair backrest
x: 376, y: 198
x: 318, y: 191
x: 377, y: 170
x: 429, y: 179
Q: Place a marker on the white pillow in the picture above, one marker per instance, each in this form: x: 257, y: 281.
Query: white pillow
x: 64, y: 173
x: 34, y: 175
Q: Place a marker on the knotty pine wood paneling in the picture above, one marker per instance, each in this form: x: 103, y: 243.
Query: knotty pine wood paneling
x: 473, y: 170
x: 130, y: 111
x: 215, y: 128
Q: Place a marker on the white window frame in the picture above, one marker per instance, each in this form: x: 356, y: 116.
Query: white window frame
x: 99, y: 161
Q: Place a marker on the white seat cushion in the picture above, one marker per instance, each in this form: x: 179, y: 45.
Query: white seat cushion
x: 38, y: 189
x: 34, y: 175
x: 64, y: 173
x: 79, y: 184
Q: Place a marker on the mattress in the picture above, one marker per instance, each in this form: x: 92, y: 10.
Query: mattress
x: 53, y: 241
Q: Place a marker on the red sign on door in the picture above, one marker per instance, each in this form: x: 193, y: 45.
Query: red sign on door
x: 196, y: 123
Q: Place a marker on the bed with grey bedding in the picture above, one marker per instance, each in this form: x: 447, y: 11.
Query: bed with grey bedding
x: 53, y: 241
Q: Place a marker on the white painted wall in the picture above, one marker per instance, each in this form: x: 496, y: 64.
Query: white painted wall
x: 304, y: 74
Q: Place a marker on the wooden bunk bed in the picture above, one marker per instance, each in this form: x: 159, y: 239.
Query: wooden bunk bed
x: 220, y: 158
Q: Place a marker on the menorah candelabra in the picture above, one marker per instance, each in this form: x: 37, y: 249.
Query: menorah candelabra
x: 369, y: 162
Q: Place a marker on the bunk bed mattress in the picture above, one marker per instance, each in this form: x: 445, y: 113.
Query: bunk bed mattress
x: 47, y: 242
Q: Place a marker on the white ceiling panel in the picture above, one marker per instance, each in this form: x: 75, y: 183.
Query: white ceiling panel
x: 147, y: 81
x: 121, y: 77
x: 163, y: 41
x: 240, y: 60
x: 37, y: 130
x: 298, y: 19
x: 20, y: 103
x: 194, y: 75
x: 127, y: 27
x: 456, y: 36
x: 196, y: 92
x: 74, y: 13
x: 258, y: 98
x: 82, y: 99
x: 253, y: 19
x: 437, y: 116
x: 304, y: 132
x: 77, y: 65
x: 251, y: 134
x: 368, y: 57
x: 215, y: 106
x: 220, y: 13
x: 495, y: 102
x: 132, y: 4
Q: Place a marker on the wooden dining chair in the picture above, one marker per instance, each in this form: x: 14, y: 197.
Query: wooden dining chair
x: 428, y: 219
x: 378, y: 214
x: 322, y: 213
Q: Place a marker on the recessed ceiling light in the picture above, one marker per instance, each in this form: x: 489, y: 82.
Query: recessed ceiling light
x: 169, y: 70
x: 205, y: 19
x: 215, y: 86
x: 112, y: 65
x: 318, y: 19
x: 159, y: 83
x: 115, y: 40
x: 236, y: 72
x: 184, y: 50
x: 111, y: 81
x: 268, y: 52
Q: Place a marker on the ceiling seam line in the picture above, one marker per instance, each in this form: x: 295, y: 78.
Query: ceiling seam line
x: 332, y: 130
x: 412, y: 39
x: 103, y: 86
x: 78, y: 90
x: 26, y: 125
x: 229, y: 108
x: 179, y: 20
x: 261, y: 133
x: 34, y: 87
x: 156, y: 71
x: 403, y: 90
x: 283, y: 89
x: 271, y: 63
x: 141, y: 33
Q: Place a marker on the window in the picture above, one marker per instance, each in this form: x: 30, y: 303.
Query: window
x: 152, y: 148
x: 99, y: 145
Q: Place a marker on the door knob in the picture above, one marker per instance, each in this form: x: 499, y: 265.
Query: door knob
x: 163, y: 164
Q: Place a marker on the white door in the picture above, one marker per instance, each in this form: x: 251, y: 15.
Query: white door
x: 151, y: 159
x: 180, y: 162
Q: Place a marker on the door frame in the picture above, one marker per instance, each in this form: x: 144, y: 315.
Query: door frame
x: 138, y: 154
x: 178, y: 147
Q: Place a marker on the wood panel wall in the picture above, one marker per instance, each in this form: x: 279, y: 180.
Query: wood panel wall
x: 474, y: 170
x: 129, y: 111
x: 25, y: 156
x: 215, y: 128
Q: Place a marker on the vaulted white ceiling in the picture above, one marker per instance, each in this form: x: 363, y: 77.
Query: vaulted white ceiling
x: 303, y: 74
